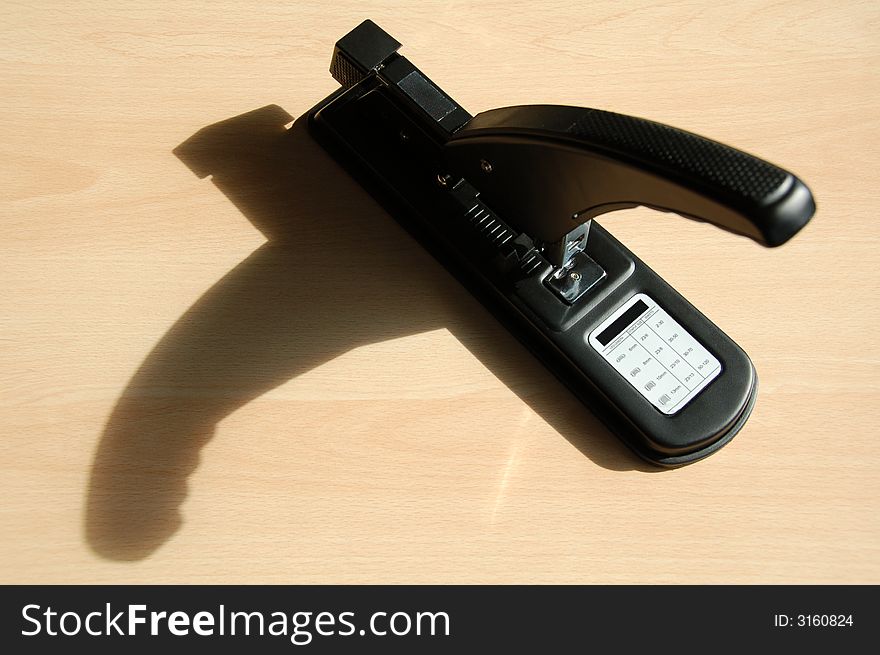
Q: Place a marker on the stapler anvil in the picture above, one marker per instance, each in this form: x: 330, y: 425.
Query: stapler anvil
x: 506, y: 200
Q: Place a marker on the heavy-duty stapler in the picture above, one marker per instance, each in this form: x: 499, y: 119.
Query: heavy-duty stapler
x: 506, y: 200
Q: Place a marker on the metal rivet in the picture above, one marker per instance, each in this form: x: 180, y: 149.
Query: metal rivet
x: 443, y: 179
x: 485, y: 166
x: 574, y: 275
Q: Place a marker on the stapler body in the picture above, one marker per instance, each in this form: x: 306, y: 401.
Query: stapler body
x: 507, y: 200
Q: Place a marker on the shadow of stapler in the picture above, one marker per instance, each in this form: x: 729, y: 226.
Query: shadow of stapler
x: 335, y: 273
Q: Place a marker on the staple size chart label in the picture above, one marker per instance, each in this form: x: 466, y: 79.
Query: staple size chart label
x: 656, y: 355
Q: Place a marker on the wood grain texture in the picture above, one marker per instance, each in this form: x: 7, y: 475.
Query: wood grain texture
x: 258, y: 377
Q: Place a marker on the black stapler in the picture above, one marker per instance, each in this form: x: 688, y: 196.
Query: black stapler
x: 506, y: 200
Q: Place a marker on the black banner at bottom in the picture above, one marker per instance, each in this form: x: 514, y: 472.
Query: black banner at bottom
x: 428, y: 619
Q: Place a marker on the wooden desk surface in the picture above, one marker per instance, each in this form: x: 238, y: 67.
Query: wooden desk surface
x: 257, y: 376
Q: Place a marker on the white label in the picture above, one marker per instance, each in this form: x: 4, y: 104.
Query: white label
x: 658, y: 357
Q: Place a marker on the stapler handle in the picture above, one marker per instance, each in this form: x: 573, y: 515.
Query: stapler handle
x: 547, y: 168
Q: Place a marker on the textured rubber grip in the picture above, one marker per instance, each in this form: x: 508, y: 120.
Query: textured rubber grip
x: 551, y: 164
x: 731, y: 169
